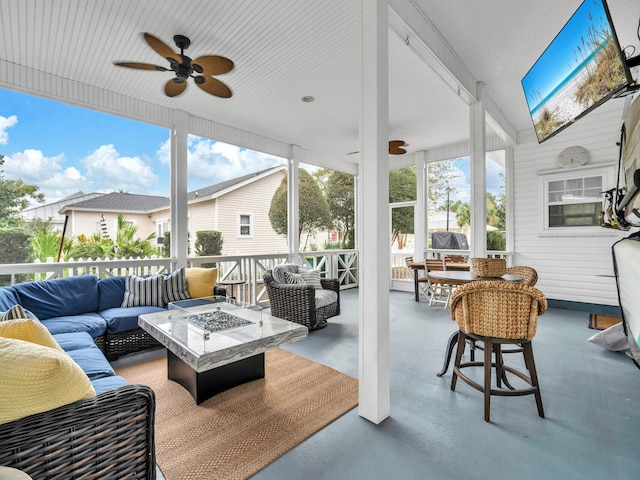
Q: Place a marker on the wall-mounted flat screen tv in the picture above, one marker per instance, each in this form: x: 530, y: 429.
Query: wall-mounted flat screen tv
x: 582, y: 68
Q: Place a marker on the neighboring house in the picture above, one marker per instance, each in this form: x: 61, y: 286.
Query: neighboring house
x: 238, y: 208
x: 51, y: 211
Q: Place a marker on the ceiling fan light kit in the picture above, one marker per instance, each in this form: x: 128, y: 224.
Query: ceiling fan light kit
x: 201, y: 69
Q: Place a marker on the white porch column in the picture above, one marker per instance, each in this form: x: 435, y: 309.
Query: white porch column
x: 478, y: 178
x: 293, y: 208
x: 420, y: 212
x: 374, y: 243
x: 509, y: 197
x: 178, y: 187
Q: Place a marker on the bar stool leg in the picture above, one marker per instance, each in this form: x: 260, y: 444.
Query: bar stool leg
x: 531, y: 365
x: 488, y: 353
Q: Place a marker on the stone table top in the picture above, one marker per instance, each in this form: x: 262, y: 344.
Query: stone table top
x: 203, y: 351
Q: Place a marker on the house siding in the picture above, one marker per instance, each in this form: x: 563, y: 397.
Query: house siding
x: 570, y: 268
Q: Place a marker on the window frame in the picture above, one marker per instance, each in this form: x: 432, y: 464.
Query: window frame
x: 239, y: 233
x: 607, y: 174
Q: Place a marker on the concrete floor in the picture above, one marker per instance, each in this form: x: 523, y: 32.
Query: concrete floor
x: 589, y: 396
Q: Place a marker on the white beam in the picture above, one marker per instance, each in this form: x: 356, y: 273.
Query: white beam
x: 408, y: 20
x: 178, y: 186
x: 374, y: 245
x: 510, y: 200
x: 478, y: 172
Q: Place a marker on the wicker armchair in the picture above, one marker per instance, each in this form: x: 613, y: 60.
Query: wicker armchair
x: 109, y: 436
x: 297, y: 303
x: 528, y: 273
x: 498, y: 313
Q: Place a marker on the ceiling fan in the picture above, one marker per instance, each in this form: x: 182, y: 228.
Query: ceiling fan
x: 395, y: 148
x: 201, y: 69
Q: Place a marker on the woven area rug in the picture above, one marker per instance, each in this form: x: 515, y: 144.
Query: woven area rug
x: 238, y: 432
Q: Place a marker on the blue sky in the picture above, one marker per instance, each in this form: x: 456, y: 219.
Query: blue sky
x: 559, y: 59
x: 64, y: 149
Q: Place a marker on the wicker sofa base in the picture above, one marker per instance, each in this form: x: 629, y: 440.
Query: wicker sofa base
x: 119, y: 344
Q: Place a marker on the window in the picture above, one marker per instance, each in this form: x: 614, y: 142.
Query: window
x: 573, y: 200
x: 162, y: 227
x: 245, y: 225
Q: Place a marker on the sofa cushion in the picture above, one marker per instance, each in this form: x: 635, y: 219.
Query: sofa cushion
x: 92, y: 362
x: 110, y: 292
x: 60, y: 297
x: 200, y: 281
x: 125, y: 319
x: 28, y: 330
x: 325, y: 297
x: 35, y: 378
x: 8, y: 298
x: 175, y: 286
x: 92, y: 323
x: 104, y: 384
x: 140, y: 291
x: 74, y: 340
x: 278, y: 271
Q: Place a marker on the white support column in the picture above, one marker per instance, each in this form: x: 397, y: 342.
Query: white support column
x: 478, y: 178
x: 510, y: 199
x: 420, y: 212
x: 178, y: 187
x: 293, y: 209
x: 374, y: 245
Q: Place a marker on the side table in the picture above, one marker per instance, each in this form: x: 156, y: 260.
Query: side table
x: 232, y: 284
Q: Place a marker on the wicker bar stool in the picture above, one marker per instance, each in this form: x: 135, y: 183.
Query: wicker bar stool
x: 498, y: 313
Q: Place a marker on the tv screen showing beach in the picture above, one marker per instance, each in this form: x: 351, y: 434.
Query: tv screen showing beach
x: 579, y: 70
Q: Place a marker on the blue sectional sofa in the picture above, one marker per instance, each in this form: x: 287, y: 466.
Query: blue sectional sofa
x: 110, y: 435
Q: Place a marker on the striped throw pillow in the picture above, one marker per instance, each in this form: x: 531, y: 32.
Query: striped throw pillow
x: 311, y: 277
x: 143, y: 291
x: 175, y: 286
x: 14, y: 313
x: 293, y: 278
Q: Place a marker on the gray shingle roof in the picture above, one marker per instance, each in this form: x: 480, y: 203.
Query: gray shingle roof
x: 121, y: 202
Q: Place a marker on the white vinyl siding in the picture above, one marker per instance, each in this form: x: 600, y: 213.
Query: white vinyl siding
x: 575, y: 267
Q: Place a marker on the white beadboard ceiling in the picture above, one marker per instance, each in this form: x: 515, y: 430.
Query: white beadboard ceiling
x: 284, y: 50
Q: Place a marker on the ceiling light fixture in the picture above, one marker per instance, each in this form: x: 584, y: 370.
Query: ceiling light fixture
x: 308, y: 99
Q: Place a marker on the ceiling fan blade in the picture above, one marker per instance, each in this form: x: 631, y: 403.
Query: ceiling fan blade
x: 162, y: 48
x: 213, y: 65
x: 141, y: 66
x: 214, y: 87
x: 395, y: 147
x: 173, y: 88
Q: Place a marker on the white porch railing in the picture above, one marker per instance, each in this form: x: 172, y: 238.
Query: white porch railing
x: 341, y: 264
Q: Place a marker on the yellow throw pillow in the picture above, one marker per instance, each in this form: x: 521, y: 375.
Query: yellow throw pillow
x: 200, y: 281
x: 35, y: 378
x: 28, y: 330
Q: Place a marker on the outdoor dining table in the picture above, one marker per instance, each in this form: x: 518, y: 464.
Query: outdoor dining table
x: 460, y: 278
x: 420, y: 266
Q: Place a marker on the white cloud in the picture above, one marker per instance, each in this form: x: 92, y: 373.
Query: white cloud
x: 6, y: 123
x: 106, y: 168
x: 211, y: 162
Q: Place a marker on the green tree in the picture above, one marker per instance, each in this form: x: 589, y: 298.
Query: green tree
x: 314, y: 209
x: 339, y: 191
x: 45, y: 241
x: 402, y: 188
x: 495, y: 210
x: 463, y: 212
x: 128, y: 245
x: 15, y: 196
x: 439, y: 178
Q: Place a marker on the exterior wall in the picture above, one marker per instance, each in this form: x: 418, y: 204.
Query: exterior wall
x: 571, y: 268
x: 254, y: 199
x: 86, y: 223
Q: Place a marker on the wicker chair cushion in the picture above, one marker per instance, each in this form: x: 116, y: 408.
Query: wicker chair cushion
x: 278, y: 271
x: 140, y: 291
x: 175, y: 286
x: 325, y: 297
x: 28, y: 330
x: 294, y: 278
x: 200, y: 281
x: 35, y: 378
x: 311, y: 277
